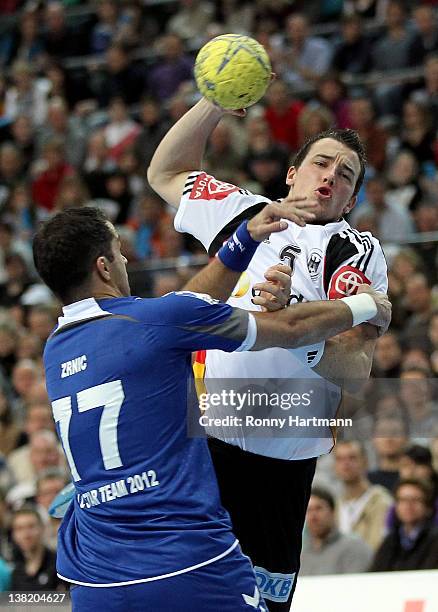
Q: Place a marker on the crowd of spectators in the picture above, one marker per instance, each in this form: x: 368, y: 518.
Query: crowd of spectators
x: 87, y: 91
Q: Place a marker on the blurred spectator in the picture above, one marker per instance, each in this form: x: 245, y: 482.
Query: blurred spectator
x: 11, y: 170
x: 97, y: 165
x: 59, y: 124
x: 416, y: 394
x: 174, y: 68
x: 363, y: 120
x: 394, y: 50
x: 429, y: 93
x: 312, y: 120
x: 24, y: 42
x: 426, y: 220
x: 119, y: 194
x: 60, y: 40
x: 41, y: 453
x: 387, y: 357
x: 72, y: 193
x: 353, y: 52
x: 18, y: 280
x: 413, y: 542
x: 153, y: 128
x: 427, y: 30
x: 281, y: 114
x: 121, y: 131
x: 372, y: 9
x: 390, y: 438
x: 146, y: 223
x: 265, y: 162
x: 433, y: 340
x: 54, y: 167
x: 107, y: 26
x: 8, y: 345
x: 119, y: 78
x: 305, y: 58
x: 405, y: 191
x: 35, y: 565
x: 416, y: 462
x: 417, y: 134
x: 27, y: 95
x: 9, y: 429
x: 325, y: 549
x: 362, y: 507
x: 41, y: 321
x: 392, y: 224
x: 221, y: 158
x: 23, y: 137
x: 236, y: 15
x: 331, y: 93
x: 418, y: 302
x: 191, y: 20
x: 48, y: 485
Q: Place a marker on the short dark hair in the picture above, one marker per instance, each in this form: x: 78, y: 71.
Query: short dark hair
x: 66, y: 246
x: 349, y: 138
x: 325, y: 495
x: 421, y: 455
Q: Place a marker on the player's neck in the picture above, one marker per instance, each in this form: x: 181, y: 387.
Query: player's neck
x: 98, y: 293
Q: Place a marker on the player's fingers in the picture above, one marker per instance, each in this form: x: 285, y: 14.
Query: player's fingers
x: 275, y: 226
x: 271, y: 289
x: 276, y: 276
x: 281, y: 268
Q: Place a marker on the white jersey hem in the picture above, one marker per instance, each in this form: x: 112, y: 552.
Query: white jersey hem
x: 170, y: 575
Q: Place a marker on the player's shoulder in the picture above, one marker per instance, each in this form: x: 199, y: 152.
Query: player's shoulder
x: 177, y: 308
x: 200, y: 185
x: 362, y: 238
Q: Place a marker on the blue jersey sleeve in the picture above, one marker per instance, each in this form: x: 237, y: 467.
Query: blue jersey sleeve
x: 199, y: 322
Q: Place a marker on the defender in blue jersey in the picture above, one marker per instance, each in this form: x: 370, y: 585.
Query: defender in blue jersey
x: 146, y: 530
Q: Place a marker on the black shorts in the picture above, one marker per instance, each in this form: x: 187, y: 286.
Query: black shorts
x: 267, y: 500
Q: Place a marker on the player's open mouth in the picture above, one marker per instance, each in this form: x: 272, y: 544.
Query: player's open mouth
x: 324, y: 192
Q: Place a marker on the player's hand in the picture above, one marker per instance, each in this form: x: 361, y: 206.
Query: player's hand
x: 384, y: 308
x: 272, y: 217
x: 274, y: 294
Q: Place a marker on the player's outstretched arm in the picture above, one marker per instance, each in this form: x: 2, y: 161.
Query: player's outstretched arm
x: 218, y: 279
x: 313, y: 322
x: 181, y: 151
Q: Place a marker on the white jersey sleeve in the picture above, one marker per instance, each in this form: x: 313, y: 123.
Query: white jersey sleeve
x: 208, y: 206
x: 355, y: 258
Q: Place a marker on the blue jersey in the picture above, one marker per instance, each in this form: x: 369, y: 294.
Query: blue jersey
x: 146, y: 503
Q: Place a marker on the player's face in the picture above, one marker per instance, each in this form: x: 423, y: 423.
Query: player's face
x: 329, y: 172
x: 117, y: 267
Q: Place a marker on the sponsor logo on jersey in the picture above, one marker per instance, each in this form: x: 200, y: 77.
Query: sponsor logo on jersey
x: 314, y: 263
x: 346, y: 282
x: 272, y: 586
x: 206, y: 187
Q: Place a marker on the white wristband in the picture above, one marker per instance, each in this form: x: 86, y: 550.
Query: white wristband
x: 363, y: 307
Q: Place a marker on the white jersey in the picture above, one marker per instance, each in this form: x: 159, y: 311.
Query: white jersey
x: 328, y: 261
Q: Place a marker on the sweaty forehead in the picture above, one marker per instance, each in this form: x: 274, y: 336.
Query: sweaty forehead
x: 334, y: 148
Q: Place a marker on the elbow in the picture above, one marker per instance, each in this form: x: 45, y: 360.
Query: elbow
x: 152, y: 177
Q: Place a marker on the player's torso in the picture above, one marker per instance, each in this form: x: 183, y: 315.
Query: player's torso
x: 119, y: 398
x: 304, y: 250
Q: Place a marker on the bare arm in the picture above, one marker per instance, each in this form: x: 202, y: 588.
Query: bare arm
x: 181, y: 151
x: 348, y: 357
x: 314, y: 322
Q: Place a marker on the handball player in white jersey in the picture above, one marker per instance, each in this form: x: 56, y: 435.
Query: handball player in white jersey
x: 265, y: 482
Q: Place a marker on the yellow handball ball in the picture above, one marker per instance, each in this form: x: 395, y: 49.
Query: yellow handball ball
x: 233, y: 71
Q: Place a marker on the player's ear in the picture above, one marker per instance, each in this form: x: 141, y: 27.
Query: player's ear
x: 102, y: 268
x: 290, y: 176
x: 351, y: 204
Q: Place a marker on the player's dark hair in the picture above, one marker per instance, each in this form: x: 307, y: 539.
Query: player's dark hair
x: 325, y: 495
x: 66, y: 246
x: 349, y: 138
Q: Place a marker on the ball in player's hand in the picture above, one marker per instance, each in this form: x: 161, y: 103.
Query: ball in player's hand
x: 233, y: 71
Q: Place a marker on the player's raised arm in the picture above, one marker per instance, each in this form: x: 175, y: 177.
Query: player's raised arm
x: 181, y: 151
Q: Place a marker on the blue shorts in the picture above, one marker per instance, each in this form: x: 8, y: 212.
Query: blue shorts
x: 227, y: 585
